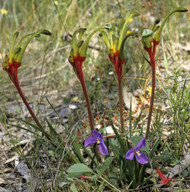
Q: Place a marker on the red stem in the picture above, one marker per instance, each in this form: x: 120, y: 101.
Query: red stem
x: 120, y: 89
x: 81, y: 79
x: 87, y: 103
x: 153, y: 65
x: 17, y: 85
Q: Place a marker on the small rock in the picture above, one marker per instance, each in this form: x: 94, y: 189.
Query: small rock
x: 109, y: 130
x: 129, y: 99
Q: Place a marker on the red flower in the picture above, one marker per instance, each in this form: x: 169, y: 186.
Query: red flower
x: 85, y: 177
x: 77, y: 66
x: 164, y: 180
x: 118, y: 64
x: 12, y: 70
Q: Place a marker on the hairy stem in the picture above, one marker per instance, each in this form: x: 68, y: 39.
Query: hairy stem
x: 153, y: 65
x: 120, y: 89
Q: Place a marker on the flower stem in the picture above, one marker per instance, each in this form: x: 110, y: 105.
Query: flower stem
x: 81, y: 79
x: 153, y: 65
x: 87, y: 103
x: 120, y: 89
x: 17, y: 85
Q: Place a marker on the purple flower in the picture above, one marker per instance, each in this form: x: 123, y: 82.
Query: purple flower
x: 140, y: 156
x: 97, y: 138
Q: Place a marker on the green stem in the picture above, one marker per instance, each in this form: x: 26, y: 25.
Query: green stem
x: 153, y: 65
x: 120, y: 89
x: 87, y: 103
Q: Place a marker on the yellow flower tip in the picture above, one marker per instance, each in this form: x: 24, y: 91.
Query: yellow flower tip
x: 127, y: 33
x: 3, y: 11
x: 130, y: 20
x: 56, y: 2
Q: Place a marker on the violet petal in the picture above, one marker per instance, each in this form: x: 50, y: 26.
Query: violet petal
x: 141, y: 144
x: 103, y: 149
x: 141, y: 157
x: 130, y: 154
x: 97, y: 134
x: 89, y: 141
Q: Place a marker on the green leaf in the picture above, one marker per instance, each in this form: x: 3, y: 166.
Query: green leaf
x: 73, y: 188
x: 164, y: 88
x: 94, y: 178
x: 62, y: 184
x: 35, y: 127
x: 76, y: 148
x: 186, y: 173
x: 105, y: 165
x: 114, y: 150
x: 165, y: 58
x: 30, y: 131
x: 165, y: 157
x: 123, y: 147
x: 53, y: 131
x: 73, y: 157
x: 50, y: 147
x: 113, y: 178
x: 188, y: 139
x: 155, y: 147
x: 78, y: 169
